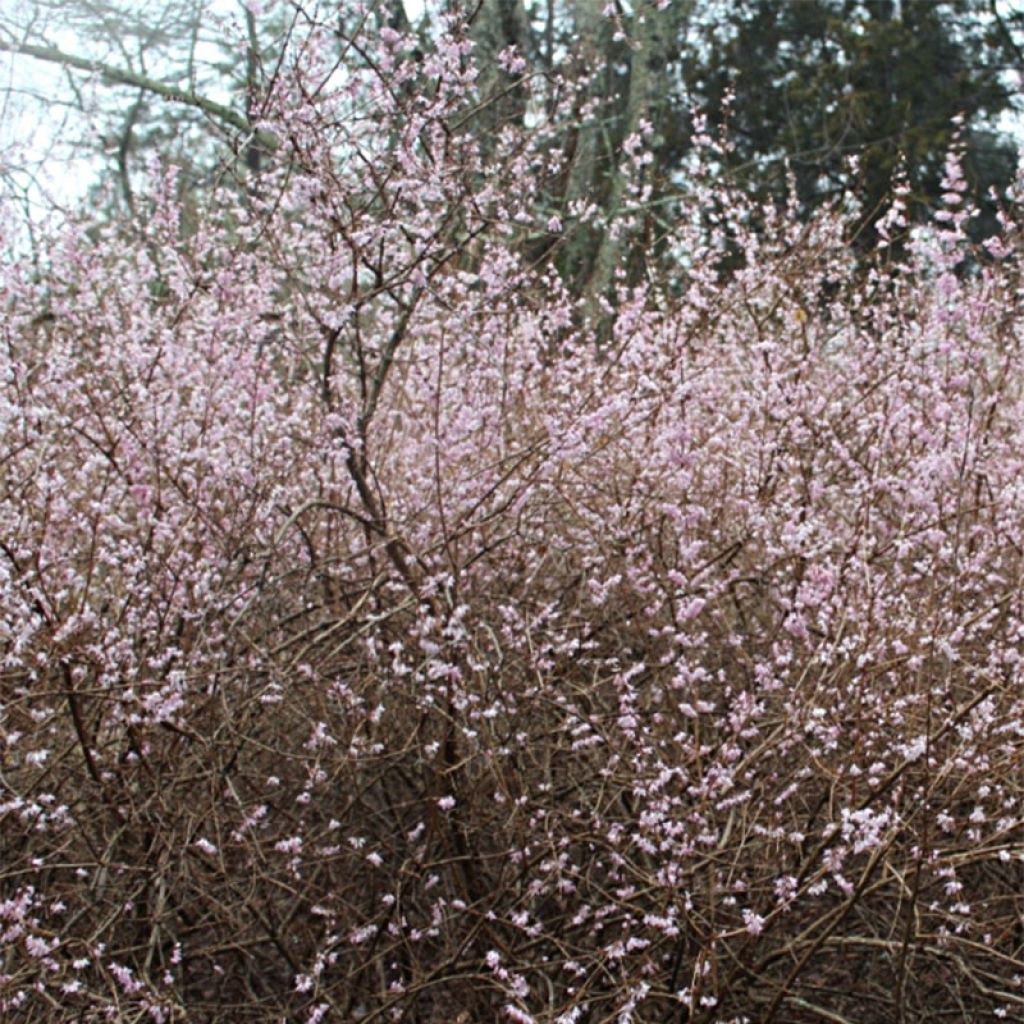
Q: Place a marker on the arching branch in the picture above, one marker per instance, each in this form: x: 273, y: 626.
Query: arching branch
x: 123, y: 76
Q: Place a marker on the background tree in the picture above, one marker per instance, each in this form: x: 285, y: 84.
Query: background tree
x: 805, y: 87
x: 843, y: 93
x: 179, y: 82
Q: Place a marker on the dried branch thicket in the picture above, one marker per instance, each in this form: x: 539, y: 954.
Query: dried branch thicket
x: 376, y: 647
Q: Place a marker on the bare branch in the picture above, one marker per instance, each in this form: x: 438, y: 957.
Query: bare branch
x: 123, y: 76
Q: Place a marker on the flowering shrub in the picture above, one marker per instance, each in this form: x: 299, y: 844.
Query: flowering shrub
x: 377, y: 647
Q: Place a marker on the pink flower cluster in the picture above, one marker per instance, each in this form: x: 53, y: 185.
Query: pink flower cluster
x: 376, y: 645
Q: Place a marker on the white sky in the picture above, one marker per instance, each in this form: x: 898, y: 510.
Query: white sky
x: 38, y: 124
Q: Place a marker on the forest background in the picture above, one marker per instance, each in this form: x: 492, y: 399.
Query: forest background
x: 833, y: 98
